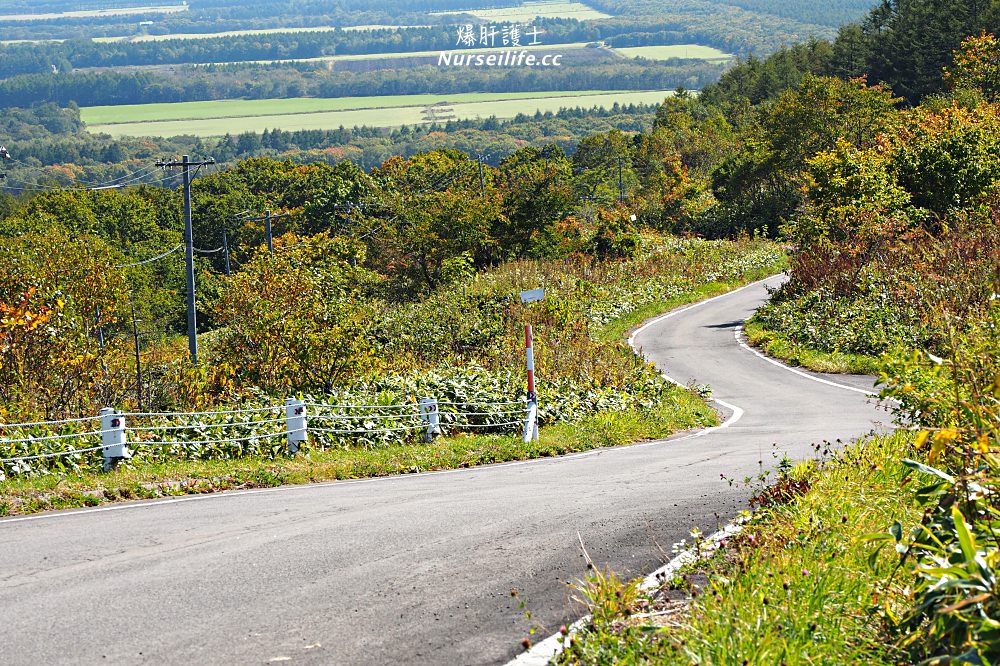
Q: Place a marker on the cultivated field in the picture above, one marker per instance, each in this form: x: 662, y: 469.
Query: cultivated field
x: 686, y: 51
x: 250, y: 108
x: 239, y: 33
x: 371, y: 112
x: 91, y: 13
x: 570, y: 50
x: 529, y: 11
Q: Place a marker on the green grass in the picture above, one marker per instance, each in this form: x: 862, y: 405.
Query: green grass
x: 680, y: 410
x: 227, y: 116
x: 529, y: 11
x: 796, y: 588
x: 779, y: 346
x: 240, y: 108
x: 686, y: 51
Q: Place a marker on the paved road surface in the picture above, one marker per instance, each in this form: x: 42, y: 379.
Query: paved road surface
x: 413, y: 569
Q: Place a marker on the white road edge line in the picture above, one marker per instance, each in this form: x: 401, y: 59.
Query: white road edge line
x: 741, y: 341
x: 542, y: 652
x: 674, y: 313
x: 308, y: 487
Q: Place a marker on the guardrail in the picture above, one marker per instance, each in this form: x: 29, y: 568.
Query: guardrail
x: 294, y: 421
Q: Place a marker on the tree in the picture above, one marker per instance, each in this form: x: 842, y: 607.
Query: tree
x: 297, y: 320
x: 441, y: 216
x: 57, y: 292
x: 345, y: 195
x: 537, y: 193
x: 946, y: 158
x: 761, y: 184
x: 976, y: 66
x: 598, y: 162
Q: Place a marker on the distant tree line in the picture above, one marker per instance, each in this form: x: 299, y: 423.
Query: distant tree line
x: 94, y: 88
x: 832, y: 13
x: 48, y: 136
x: 738, y: 26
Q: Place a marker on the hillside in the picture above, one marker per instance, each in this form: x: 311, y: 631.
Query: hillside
x: 364, y: 272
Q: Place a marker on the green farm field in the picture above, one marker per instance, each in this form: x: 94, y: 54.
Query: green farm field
x: 529, y: 11
x: 248, y: 108
x: 235, y: 116
x: 686, y: 51
x: 92, y: 13
x: 241, y: 33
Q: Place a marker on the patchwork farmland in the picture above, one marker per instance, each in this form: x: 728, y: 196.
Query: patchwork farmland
x: 208, y: 119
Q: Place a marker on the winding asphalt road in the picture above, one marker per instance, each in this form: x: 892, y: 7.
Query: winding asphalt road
x: 414, y: 569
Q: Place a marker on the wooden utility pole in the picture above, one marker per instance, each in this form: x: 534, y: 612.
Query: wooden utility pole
x: 267, y: 218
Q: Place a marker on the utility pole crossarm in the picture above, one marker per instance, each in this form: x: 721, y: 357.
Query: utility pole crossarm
x: 267, y: 218
x: 184, y: 162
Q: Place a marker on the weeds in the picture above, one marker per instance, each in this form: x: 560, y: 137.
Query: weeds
x: 795, y: 587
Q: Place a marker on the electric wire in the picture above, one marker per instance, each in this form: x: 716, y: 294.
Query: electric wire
x: 152, y: 259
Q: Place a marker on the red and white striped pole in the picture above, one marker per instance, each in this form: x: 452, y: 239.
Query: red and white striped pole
x: 531, y: 423
x: 530, y: 353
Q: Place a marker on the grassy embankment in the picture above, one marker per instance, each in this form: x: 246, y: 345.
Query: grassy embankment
x: 800, y: 584
x: 779, y: 345
x: 24, y: 496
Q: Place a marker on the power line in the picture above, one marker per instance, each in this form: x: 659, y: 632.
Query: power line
x: 126, y: 176
x: 25, y: 186
x: 152, y: 259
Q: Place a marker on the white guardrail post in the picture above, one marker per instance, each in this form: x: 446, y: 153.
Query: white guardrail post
x: 531, y: 421
x: 296, y: 424
x: 113, y: 439
x: 431, y: 416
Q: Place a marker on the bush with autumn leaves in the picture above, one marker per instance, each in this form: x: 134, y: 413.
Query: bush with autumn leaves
x: 56, y: 295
